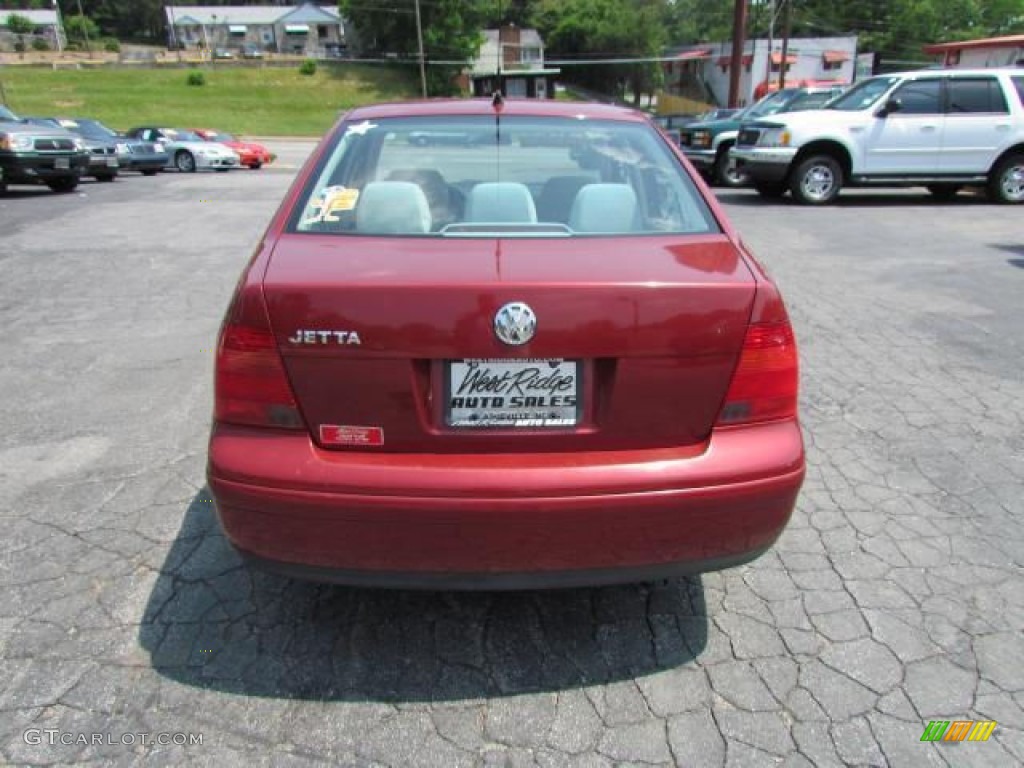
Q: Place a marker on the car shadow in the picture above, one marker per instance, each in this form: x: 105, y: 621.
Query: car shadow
x: 855, y: 198
x: 213, y: 623
x: 1014, y: 249
x: 29, y: 191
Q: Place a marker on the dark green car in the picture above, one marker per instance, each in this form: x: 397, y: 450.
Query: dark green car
x: 707, y: 144
x: 35, y: 154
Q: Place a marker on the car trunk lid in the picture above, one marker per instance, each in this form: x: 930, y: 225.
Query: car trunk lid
x: 649, y: 329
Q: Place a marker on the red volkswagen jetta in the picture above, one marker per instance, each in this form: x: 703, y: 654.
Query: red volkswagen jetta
x: 502, y: 346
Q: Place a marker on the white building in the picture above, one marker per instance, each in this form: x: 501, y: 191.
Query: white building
x: 518, y: 55
x: 990, y: 52
x: 308, y: 29
x: 48, y: 25
x: 704, y: 70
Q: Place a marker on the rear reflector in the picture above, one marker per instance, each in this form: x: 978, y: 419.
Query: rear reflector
x: 251, y: 385
x: 765, y: 383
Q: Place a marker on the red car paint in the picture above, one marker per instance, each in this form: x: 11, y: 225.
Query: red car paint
x: 250, y: 153
x: 334, y: 461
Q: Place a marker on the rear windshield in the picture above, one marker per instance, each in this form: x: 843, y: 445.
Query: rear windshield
x: 467, y: 176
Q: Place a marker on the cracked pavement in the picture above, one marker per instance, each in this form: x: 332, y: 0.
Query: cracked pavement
x: 896, y: 595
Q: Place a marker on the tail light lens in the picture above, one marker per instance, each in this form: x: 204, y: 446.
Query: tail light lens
x: 765, y: 384
x: 251, y: 385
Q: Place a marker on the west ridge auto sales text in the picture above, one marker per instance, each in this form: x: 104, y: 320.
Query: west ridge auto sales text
x: 516, y: 401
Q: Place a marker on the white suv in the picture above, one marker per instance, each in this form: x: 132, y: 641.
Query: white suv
x: 942, y: 129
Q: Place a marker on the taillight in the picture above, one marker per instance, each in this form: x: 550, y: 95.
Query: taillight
x: 251, y: 384
x: 764, y: 385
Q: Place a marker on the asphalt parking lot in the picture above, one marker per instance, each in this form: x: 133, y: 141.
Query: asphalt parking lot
x: 895, y: 597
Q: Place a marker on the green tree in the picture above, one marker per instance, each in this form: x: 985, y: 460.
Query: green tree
x: 517, y: 12
x: 592, y: 30
x: 452, y: 33
x: 20, y: 25
x: 80, y: 29
x: 128, y: 19
x: 895, y: 28
x: 899, y: 28
x: 693, y: 21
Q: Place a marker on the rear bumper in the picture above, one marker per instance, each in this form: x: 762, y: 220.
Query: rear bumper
x: 503, y: 521
x: 102, y: 165
x: 497, y: 580
x: 251, y: 159
x: 206, y: 161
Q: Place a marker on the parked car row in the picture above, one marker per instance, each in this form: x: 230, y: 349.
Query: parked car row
x: 58, y: 151
x: 941, y: 129
x: 706, y: 143
x: 109, y: 151
x: 188, y: 150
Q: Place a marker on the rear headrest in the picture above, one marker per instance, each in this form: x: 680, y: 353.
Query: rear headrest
x: 392, y: 208
x: 604, y: 208
x: 557, y: 196
x: 428, y: 179
x: 500, y: 202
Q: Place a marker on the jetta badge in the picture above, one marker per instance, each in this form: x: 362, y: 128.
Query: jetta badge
x: 311, y: 336
x: 515, y: 324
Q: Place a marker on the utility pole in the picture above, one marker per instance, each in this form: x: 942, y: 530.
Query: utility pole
x: 419, y: 38
x: 739, y: 37
x: 786, y: 27
x: 206, y: 34
x: 501, y: 53
x: 59, y: 31
x: 174, y: 32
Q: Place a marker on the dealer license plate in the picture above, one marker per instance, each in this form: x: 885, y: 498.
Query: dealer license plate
x: 522, y: 394
x: 61, y: 163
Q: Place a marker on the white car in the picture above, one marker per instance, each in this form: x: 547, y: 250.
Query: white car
x: 188, y: 152
x: 943, y: 129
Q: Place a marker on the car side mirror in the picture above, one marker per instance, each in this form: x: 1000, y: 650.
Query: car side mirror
x: 892, y: 105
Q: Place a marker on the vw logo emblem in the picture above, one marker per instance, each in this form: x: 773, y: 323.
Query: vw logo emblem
x: 515, y: 324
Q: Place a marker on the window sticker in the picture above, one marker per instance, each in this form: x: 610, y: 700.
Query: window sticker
x: 361, y: 129
x: 331, y: 201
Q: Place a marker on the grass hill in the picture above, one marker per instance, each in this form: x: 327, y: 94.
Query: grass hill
x: 268, y: 101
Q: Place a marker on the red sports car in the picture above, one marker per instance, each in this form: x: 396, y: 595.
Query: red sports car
x: 251, y: 154
x: 537, y: 356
